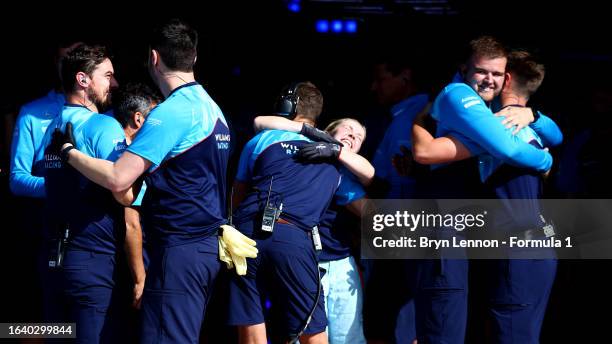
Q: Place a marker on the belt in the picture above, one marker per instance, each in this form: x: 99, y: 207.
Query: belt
x: 283, y: 221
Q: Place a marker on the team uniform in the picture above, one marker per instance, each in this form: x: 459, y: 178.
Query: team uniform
x: 95, y: 220
x: 186, y: 139
x: 442, y: 297
x: 392, y: 317
x: 27, y: 179
x: 32, y: 122
x: 286, y: 265
x: 341, y: 281
x: 519, y: 288
x: 398, y: 134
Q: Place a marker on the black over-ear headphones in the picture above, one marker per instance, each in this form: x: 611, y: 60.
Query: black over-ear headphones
x: 286, y: 104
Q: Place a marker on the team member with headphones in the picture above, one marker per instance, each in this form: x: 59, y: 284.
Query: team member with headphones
x: 280, y: 209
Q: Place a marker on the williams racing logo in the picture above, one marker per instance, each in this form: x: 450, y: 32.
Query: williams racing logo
x: 52, y: 161
x: 223, y: 141
x: 290, y: 149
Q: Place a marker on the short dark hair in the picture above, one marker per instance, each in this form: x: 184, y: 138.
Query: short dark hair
x: 176, y: 44
x: 486, y: 47
x: 527, y: 72
x: 413, y: 61
x: 310, y: 103
x: 130, y: 98
x: 83, y: 58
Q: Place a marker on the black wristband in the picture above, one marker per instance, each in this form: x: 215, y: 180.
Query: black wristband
x: 64, y: 154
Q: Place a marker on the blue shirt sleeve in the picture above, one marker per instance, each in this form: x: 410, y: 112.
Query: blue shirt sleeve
x: 243, y: 173
x: 160, y: 133
x: 381, y: 159
x: 106, y: 138
x: 473, y: 123
x: 548, y: 130
x: 349, y: 189
x: 21, y: 181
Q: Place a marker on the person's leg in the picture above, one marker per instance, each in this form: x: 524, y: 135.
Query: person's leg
x: 344, y: 302
x: 294, y: 277
x: 441, y: 301
x: 519, y: 296
x: 245, y: 307
x: 89, y: 284
x: 325, y: 268
x: 383, y: 301
x: 179, y: 282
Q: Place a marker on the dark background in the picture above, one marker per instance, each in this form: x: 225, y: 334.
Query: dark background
x: 249, y: 50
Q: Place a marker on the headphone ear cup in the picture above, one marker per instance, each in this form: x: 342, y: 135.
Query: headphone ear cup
x: 285, y: 106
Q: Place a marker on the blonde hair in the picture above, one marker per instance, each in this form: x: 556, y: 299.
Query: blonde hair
x: 331, y: 127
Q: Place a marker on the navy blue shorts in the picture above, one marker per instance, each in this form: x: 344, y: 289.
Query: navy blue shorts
x: 179, y: 283
x: 286, y: 270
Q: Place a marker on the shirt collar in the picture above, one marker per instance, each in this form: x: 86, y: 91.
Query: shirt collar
x: 182, y: 86
x: 76, y: 106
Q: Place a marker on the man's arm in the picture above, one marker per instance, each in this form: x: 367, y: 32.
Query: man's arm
x: 133, y: 250
x: 428, y: 150
x: 117, y: 176
x: 475, y: 126
x: 548, y: 130
x: 276, y: 123
x: 279, y: 123
x: 21, y: 180
x: 519, y: 117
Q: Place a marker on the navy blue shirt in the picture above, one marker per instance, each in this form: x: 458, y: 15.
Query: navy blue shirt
x: 91, y: 211
x: 186, y: 139
x: 338, y: 224
x: 304, y: 189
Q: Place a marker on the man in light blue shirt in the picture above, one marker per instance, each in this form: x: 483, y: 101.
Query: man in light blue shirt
x: 463, y: 110
x: 397, y: 83
x: 32, y: 123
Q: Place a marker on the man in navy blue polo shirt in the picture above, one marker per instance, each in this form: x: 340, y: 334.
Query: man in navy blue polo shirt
x: 183, y: 149
x: 269, y: 177
x: 86, y: 212
x: 341, y: 281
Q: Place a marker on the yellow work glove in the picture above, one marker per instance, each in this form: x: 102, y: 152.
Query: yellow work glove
x: 234, y: 248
